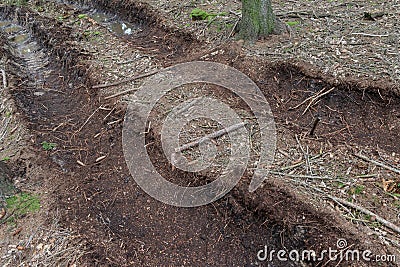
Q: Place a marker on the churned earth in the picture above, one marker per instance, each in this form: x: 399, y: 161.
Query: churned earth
x: 69, y: 70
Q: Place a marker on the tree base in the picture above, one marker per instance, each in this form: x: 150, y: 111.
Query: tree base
x: 259, y: 20
x: 280, y: 27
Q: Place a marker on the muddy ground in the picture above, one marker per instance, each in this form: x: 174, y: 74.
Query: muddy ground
x: 55, y: 55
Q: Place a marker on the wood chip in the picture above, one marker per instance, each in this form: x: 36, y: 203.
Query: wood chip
x: 100, y: 158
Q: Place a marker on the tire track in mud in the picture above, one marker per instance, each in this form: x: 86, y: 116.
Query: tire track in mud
x: 21, y: 46
x: 66, y: 105
x: 122, y: 225
x: 146, y: 229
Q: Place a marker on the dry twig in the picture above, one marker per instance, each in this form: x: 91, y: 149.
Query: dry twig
x: 312, y: 99
x: 380, y: 164
x: 317, y: 97
x: 378, y: 218
x: 4, y: 78
x: 126, y: 80
x: 87, y: 120
x: 306, y: 155
x: 370, y: 35
x: 303, y: 176
x: 300, y: 163
x: 210, y: 136
x: 367, y: 212
x: 233, y: 29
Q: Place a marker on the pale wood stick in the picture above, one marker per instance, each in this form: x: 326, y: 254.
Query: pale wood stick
x: 126, y: 80
x: 380, y: 164
x: 314, y: 99
x: 368, y: 212
x: 88, y: 119
x: 370, y: 35
x: 4, y: 78
x: 378, y: 218
x: 210, y: 136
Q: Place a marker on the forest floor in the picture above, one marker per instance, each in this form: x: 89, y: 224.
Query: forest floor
x: 332, y: 84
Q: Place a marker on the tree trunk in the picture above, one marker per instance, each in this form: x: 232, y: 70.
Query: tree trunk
x: 258, y: 20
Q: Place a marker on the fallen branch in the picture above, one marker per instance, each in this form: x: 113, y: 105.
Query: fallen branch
x: 367, y: 212
x: 380, y: 164
x: 210, y: 136
x: 378, y: 218
x: 126, y: 80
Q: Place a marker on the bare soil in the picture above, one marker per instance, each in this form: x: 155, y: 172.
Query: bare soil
x: 107, y: 220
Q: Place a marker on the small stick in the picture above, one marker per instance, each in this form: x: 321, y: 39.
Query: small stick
x: 304, y: 101
x: 366, y: 176
x: 121, y: 93
x: 3, y: 134
x: 126, y: 80
x: 233, y: 29
x: 299, y: 164
x: 306, y: 156
x: 88, y: 119
x: 314, y: 99
x: 302, y: 176
x: 346, y: 209
x: 380, y: 164
x: 370, y: 35
x: 210, y: 136
x: 188, y: 106
x: 238, y: 14
x: 4, y: 78
x: 58, y: 126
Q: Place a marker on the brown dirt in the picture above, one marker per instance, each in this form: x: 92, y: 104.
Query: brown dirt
x: 120, y: 225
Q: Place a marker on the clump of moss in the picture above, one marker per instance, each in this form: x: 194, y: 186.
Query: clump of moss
x: 20, y: 205
x: 199, y: 14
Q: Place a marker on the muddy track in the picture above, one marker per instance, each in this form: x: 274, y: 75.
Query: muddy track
x: 155, y: 35
x: 120, y: 223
